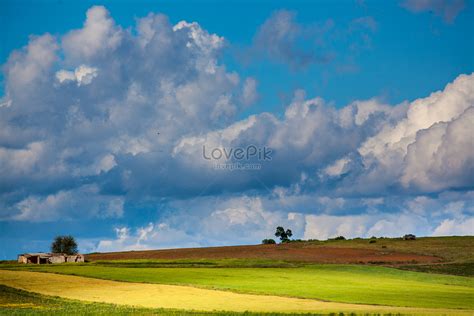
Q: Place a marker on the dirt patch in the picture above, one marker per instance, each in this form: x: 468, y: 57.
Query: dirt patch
x: 290, y: 252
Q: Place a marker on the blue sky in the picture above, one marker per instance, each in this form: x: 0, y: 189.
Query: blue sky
x: 341, y: 91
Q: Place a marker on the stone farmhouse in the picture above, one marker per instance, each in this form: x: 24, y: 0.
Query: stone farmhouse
x: 46, y: 258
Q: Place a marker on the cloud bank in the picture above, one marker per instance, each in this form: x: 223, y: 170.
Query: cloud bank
x: 103, y: 117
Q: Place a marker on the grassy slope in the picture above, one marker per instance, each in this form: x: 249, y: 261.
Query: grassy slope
x: 457, y: 252
x: 18, y: 302
x: 341, y: 283
x: 451, y: 249
x: 461, y: 268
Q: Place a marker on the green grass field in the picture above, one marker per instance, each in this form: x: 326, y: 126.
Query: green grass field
x: 447, y: 284
x: 339, y: 283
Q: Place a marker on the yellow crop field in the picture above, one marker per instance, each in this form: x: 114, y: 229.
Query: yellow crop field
x: 185, y: 297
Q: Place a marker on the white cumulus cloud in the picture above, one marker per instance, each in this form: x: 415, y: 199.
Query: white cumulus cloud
x: 83, y: 75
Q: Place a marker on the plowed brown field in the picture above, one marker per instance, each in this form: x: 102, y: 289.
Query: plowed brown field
x: 290, y: 252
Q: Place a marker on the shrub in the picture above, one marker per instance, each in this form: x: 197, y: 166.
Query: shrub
x: 340, y: 238
x: 292, y: 241
x: 372, y: 241
x: 409, y: 237
x: 268, y: 241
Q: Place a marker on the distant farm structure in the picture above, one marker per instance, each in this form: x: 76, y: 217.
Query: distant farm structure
x: 47, y: 258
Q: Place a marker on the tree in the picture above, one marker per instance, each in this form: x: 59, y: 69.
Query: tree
x: 268, y: 241
x: 64, y: 244
x: 282, y: 234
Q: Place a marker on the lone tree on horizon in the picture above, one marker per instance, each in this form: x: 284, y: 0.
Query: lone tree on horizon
x: 64, y: 244
x: 282, y: 234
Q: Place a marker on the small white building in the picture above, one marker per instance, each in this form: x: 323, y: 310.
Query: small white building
x: 46, y: 258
